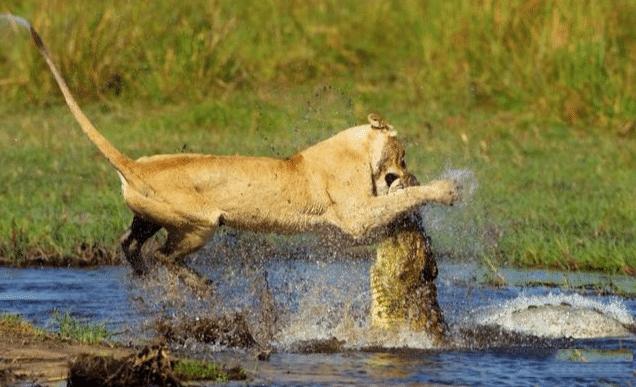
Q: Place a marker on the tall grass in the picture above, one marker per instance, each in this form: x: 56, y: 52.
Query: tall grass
x: 571, y: 61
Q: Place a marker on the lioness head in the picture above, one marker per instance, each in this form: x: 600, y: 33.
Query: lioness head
x: 387, y: 156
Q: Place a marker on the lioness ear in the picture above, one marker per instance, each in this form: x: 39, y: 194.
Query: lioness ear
x: 377, y: 122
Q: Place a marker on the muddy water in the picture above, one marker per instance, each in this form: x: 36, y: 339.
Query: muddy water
x: 324, y: 298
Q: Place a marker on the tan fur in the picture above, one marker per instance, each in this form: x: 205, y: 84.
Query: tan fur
x: 338, y: 184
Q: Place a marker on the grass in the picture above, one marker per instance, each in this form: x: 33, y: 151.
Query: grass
x: 536, y: 98
x: 548, y: 196
x: 71, y: 328
x: 568, y: 60
x: 16, y: 325
x: 191, y: 369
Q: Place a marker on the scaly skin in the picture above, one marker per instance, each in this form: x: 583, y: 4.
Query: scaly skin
x: 403, y: 290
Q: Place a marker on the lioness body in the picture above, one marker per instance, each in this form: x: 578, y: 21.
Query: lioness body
x: 252, y: 193
x: 316, y: 188
x: 337, y: 184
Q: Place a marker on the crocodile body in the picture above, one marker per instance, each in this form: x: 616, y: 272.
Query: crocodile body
x: 404, y: 294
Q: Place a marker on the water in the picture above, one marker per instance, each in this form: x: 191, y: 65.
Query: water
x: 88, y: 294
x: 529, y: 367
x: 318, y: 299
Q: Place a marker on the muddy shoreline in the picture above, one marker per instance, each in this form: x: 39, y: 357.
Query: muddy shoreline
x: 32, y: 355
x: 84, y: 255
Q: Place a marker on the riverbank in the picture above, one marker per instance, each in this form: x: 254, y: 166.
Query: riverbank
x: 80, y: 256
x: 33, y: 355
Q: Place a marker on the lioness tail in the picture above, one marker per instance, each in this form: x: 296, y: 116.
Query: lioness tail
x: 118, y: 160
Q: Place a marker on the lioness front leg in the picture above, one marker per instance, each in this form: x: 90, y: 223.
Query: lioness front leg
x: 364, y: 219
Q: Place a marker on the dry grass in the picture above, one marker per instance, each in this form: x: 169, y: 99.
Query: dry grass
x: 16, y: 326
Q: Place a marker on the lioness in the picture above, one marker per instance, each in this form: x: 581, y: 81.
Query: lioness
x: 337, y: 184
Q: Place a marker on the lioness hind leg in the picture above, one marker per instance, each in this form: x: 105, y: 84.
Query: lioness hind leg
x: 173, y: 253
x: 134, y: 238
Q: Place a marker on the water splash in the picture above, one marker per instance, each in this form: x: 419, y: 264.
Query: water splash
x: 344, y: 314
x: 558, y: 316
x: 467, y: 181
x: 458, y: 231
x: 288, y: 295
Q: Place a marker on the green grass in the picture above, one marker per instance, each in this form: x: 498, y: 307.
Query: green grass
x: 535, y: 97
x: 71, y: 328
x: 568, y: 60
x: 548, y: 195
x: 191, y: 369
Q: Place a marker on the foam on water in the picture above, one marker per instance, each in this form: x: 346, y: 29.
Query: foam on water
x: 558, y: 315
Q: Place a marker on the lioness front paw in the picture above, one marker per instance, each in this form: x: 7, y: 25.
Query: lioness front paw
x: 447, y: 191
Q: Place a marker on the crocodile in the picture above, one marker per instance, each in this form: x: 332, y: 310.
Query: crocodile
x: 404, y: 294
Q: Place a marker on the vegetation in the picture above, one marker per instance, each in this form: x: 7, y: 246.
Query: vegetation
x: 15, y: 325
x: 570, y: 60
x: 69, y: 328
x: 51, y: 355
x: 87, y: 333
x: 192, y: 369
x: 536, y: 98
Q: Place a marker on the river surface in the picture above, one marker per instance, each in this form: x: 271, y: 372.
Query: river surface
x: 318, y: 299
